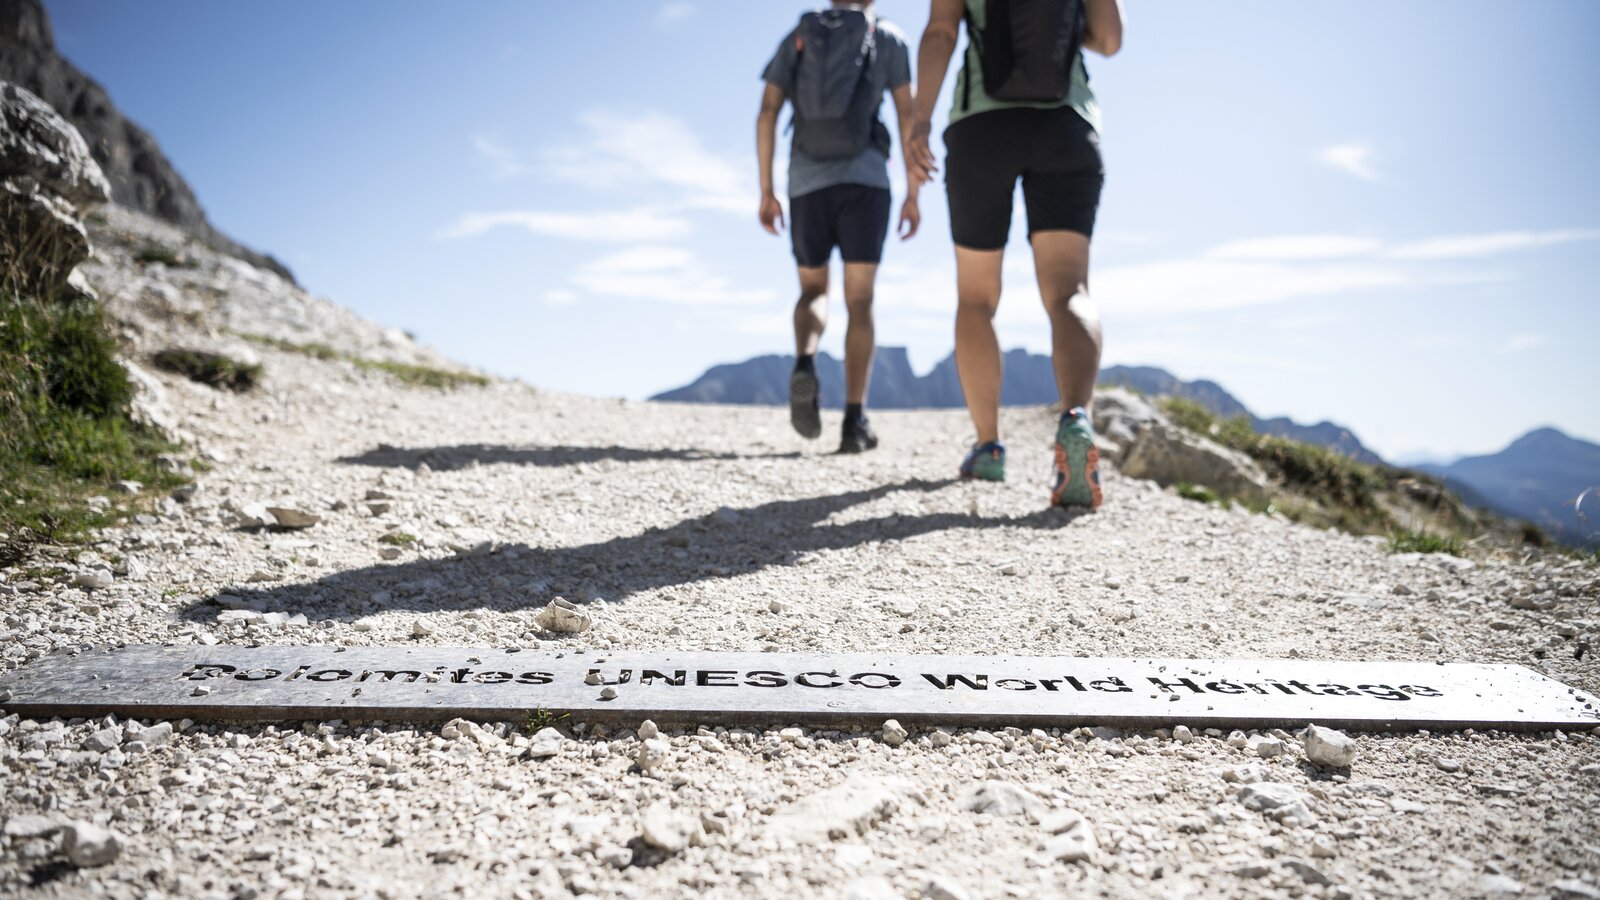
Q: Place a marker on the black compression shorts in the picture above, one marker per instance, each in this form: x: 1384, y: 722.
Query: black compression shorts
x: 1055, y: 153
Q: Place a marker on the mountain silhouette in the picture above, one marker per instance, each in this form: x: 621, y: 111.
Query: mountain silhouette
x: 1538, y: 479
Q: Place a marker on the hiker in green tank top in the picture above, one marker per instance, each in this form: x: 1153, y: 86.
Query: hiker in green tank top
x: 1023, y: 111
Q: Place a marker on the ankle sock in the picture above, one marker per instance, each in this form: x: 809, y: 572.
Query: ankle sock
x: 853, y: 412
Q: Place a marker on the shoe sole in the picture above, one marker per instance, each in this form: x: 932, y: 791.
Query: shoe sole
x: 1076, y: 460
x: 803, y: 412
x: 848, y: 446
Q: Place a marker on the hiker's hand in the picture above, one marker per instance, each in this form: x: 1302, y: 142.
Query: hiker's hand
x: 920, y: 162
x: 771, y: 213
x: 910, y: 219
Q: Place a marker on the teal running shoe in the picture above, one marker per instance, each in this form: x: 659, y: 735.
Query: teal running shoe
x: 986, y: 462
x: 1077, y: 464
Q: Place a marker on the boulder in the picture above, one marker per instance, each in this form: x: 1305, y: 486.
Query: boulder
x: 1120, y: 415
x: 46, y: 176
x: 1169, y: 455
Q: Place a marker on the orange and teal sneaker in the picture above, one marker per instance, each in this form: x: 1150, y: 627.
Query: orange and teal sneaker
x: 985, y: 462
x: 1077, y: 476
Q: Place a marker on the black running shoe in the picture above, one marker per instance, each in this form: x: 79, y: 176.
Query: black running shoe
x: 858, y: 436
x: 804, y: 395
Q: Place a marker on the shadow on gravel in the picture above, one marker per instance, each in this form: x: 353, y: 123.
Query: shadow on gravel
x: 445, y: 459
x: 724, y: 544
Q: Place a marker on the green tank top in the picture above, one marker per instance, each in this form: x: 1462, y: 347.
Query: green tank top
x: 972, y: 99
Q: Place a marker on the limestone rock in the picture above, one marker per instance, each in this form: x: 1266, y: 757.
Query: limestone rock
x: 665, y: 828
x: 1003, y: 799
x: 1074, y: 839
x: 1327, y: 747
x: 652, y: 753
x: 289, y: 517
x: 894, y: 734
x: 1279, y: 801
x: 1168, y: 455
x: 87, y: 845
x: 563, y: 617
x: 848, y: 810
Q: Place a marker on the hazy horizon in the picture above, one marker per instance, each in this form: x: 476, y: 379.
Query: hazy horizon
x: 1392, y: 228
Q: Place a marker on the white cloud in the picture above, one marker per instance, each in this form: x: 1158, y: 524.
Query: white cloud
x: 1472, y: 245
x: 664, y: 274
x: 1354, y: 158
x: 631, y: 226
x: 1517, y: 343
x: 674, y: 11
x: 1297, y: 247
x: 560, y: 297
x: 502, y: 162
x: 652, y: 150
x: 1198, y: 285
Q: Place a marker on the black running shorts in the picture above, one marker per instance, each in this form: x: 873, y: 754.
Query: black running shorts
x: 852, y: 217
x: 1055, y: 153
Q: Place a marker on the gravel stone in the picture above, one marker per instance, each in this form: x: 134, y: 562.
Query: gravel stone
x: 1330, y: 748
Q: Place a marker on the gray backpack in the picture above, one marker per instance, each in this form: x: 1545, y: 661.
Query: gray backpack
x: 835, y: 111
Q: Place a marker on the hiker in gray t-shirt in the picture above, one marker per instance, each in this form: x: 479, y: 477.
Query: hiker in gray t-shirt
x: 835, y: 68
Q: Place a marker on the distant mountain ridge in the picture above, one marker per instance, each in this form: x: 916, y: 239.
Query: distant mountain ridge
x: 1537, y: 479
x: 1030, y: 380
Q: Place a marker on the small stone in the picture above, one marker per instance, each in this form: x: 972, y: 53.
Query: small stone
x: 652, y: 753
x: 893, y: 733
x: 390, y: 553
x: 103, y: 740
x: 648, y: 730
x: 291, y: 518
x: 1280, y: 801
x: 1002, y: 799
x: 87, y: 845
x: 615, y: 856
x: 1264, y: 746
x: 1494, y: 884
x: 421, y: 629
x: 609, y: 693
x: 1182, y: 734
x: 1074, y: 839
x: 593, y: 678
x: 561, y: 616
x: 94, y: 579
x: 776, y: 606
x: 200, y: 690
x: 1447, y: 764
x: 1308, y: 873
x: 1572, y: 887
x: 790, y: 735
x: 29, y: 826
x: 546, y: 743
x: 1327, y: 747
x: 667, y: 829
x: 940, y: 738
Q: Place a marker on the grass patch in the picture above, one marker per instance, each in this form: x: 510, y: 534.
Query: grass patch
x: 1347, y: 487
x: 1199, y: 493
x: 155, y: 253
x: 405, y: 373
x: 398, y: 539
x: 214, y: 369
x: 1404, y: 541
x: 65, y: 434
x: 542, y: 718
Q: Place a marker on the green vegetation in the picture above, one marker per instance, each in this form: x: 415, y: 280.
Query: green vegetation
x: 1405, y: 541
x: 1347, y: 489
x: 212, y: 369
x: 405, y: 373
x: 398, y: 539
x: 1199, y: 493
x: 155, y: 253
x: 65, y: 433
x: 542, y: 718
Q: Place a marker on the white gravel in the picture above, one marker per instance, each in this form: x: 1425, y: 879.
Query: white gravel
x: 671, y: 527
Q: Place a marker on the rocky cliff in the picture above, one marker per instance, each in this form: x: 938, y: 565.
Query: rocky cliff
x: 141, y: 176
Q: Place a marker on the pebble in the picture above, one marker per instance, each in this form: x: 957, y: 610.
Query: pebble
x: 562, y: 616
x: 291, y: 518
x: 943, y: 887
x: 1327, y: 747
x: 1002, y: 799
x: 648, y: 730
x: 87, y: 845
x: 94, y: 579
x: 1182, y: 734
x: 1264, y: 746
x: 1280, y: 801
x: 1074, y: 839
x: 652, y: 754
x: 421, y: 629
x: 1308, y: 873
x: 546, y: 743
x: 667, y: 829
x: 893, y: 733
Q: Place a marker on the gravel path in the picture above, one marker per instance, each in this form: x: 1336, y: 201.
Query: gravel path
x: 718, y: 529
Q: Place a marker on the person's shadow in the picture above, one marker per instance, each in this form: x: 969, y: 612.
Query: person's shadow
x: 725, y: 544
x: 444, y: 459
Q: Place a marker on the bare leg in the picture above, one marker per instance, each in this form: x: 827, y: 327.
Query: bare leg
x: 1061, y: 259
x: 861, y: 337
x: 977, y: 348
x: 811, y: 310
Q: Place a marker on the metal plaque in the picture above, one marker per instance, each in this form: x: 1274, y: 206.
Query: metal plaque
x: 437, y: 683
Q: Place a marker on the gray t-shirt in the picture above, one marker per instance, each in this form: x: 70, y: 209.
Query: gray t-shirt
x: 890, y: 71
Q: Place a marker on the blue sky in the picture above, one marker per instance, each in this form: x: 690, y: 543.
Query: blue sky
x: 1383, y: 214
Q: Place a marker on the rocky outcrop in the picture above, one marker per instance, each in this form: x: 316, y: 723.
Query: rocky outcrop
x: 140, y: 175
x: 46, y: 176
x: 1168, y: 455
